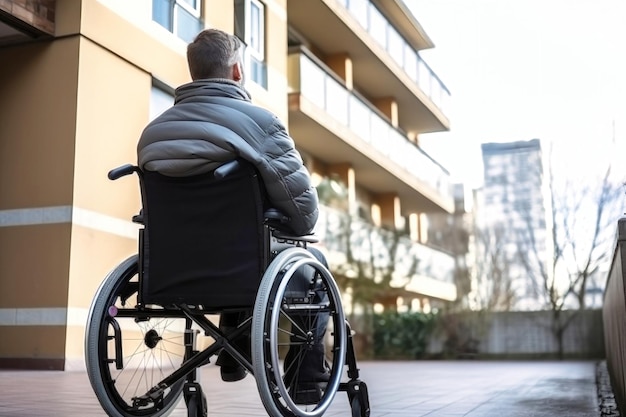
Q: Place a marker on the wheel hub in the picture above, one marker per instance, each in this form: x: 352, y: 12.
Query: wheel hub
x: 152, y: 338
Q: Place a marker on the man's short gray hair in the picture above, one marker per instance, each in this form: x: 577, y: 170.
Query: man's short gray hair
x: 213, y: 53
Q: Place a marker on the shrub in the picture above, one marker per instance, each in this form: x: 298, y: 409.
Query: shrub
x: 402, y: 335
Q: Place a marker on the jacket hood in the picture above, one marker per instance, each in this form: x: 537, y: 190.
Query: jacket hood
x: 220, y: 87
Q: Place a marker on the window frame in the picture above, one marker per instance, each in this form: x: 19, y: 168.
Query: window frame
x: 175, y: 7
x: 255, y: 52
x: 259, y: 53
x: 196, y: 11
x: 161, y: 98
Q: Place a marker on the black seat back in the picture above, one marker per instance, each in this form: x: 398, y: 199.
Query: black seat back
x: 203, y: 238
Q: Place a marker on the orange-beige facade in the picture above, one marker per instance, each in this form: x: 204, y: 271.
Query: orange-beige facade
x: 79, y: 79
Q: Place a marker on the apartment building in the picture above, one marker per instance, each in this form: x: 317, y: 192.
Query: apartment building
x: 514, y: 212
x: 81, y: 78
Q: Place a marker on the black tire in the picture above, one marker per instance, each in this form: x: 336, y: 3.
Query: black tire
x: 193, y: 409
x: 359, y: 399
x: 152, y: 348
x: 272, y: 335
x: 355, y: 406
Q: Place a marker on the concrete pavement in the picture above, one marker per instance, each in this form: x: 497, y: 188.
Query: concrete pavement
x: 399, y: 389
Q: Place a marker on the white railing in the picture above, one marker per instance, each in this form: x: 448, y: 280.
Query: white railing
x: 322, y: 89
x: 369, y: 243
x: 383, y: 32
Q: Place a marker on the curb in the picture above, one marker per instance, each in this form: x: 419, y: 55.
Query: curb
x: 606, y: 398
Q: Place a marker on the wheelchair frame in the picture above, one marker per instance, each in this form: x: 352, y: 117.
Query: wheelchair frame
x: 117, y: 299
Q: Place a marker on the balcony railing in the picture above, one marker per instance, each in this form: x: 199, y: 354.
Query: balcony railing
x: 368, y: 243
x: 407, y: 58
x: 319, y: 86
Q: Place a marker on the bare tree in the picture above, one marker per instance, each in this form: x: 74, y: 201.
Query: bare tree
x: 493, y: 290
x: 374, y: 257
x: 583, y: 217
x: 367, y: 269
x: 451, y: 233
x: 371, y: 275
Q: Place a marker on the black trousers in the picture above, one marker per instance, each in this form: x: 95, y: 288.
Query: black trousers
x: 301, y: 282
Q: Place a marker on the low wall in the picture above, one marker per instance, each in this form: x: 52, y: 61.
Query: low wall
x: 518, y: 334
x: 614, y: 317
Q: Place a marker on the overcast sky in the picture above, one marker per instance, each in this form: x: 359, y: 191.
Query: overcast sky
x: 523, y: 69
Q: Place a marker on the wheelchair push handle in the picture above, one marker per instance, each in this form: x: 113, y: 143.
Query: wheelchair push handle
x: 122, y: 171
x: 227, y: 169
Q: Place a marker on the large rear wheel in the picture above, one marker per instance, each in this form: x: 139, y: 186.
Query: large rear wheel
x: 128, y: 350
x: 296, y: 332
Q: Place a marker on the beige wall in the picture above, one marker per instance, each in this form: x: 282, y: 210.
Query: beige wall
x: 34, y: 263
x: 37, y: 123
x: 70, y: 111
x: 37, y: 130
x: 114, y: 98
x: 38, y: 347
x: 141, y: 42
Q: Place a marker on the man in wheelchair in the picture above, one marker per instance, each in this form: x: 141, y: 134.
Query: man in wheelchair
x: 226, y: 208
x: 214, y: 122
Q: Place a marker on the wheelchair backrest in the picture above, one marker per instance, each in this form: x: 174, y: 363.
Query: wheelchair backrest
x: 203, y: 239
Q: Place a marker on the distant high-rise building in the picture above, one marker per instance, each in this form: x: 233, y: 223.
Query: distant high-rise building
x: 513, y: 212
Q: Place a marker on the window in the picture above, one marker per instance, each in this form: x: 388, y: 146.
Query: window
x: 256, y: 33
x: 161, y: 98
x: 250, y: 28
x: 181, y: 17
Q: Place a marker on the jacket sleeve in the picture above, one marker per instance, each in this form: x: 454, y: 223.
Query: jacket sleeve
x: 290, y: 189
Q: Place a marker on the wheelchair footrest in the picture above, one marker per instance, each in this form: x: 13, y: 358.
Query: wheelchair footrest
x: 308, y: 393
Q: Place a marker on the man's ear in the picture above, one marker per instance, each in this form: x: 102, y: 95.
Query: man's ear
x: 237, y: 73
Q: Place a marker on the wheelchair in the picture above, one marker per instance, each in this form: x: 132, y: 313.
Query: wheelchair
x: 208, y: 248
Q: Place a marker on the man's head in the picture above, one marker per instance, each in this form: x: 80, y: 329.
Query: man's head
x: 216, y: 54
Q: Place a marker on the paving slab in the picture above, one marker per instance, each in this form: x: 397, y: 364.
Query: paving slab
x: 398, y: 389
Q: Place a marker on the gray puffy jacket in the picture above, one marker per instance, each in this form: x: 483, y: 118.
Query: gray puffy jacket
x: 213, y: 122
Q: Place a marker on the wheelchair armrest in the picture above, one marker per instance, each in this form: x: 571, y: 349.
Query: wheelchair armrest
x: 273, y: 216
x: 286, y: 237
x: 122, y: 171
x: 277, y: 220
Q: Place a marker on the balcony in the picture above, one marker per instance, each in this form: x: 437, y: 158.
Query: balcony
x: 417, y: 269
x: 383, y: 52
x: 336, y: 126
x: 31, y: 21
